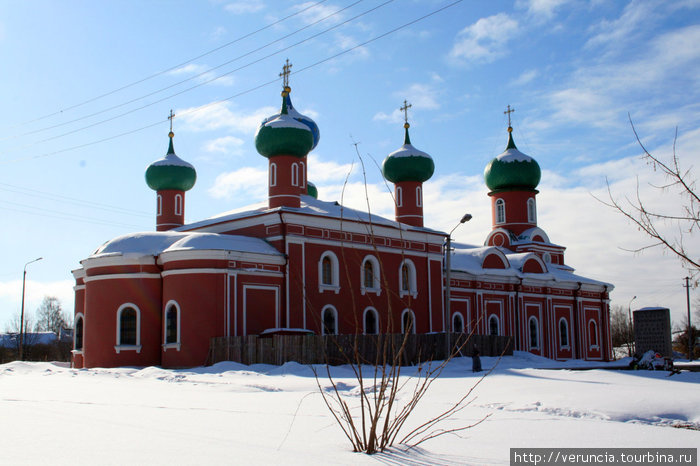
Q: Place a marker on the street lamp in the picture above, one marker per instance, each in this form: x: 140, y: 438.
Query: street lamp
x: 448, y: 277
x: 629, y: 329
x: 21, y: 317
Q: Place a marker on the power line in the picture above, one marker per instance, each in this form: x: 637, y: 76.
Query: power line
x: 60, y: 215
x: 200, y: 84
x: 245, y: 36
x: 198, y: 109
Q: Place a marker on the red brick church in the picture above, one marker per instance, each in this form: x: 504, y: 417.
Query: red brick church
x: 299, y: 264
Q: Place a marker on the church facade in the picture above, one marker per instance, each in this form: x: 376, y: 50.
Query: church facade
x: 297, y: 264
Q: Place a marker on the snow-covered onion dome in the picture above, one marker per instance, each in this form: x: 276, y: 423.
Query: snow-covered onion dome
x: 311, y: 190
x: 512, y: 169
x: 291, y: 111
x: 283, y: 134
x: 408, y: 163
x: 170, y: 172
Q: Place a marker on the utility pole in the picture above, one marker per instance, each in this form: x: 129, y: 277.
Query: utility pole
x: 691, y: 340
x: 21, y: 317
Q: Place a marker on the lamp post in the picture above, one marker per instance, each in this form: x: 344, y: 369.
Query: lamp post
x: 448, y: 278
x: 21, y: 317
x: 630, y: 329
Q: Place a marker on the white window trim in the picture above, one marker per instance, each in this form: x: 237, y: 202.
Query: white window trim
x: 568, y: 335
x: 412, y: 285
x: 498, y: 324
x: 335, y: 270
x: 529, y: 333
x: 399, y: 196
x: 419, y: 196
x: 597, y: 337
x: 376, y: 285
x: 464, y: 326
x: 303, y: 175
x: 273, y: 174
x: 178, y: 204
x: 413, y: 316
x: 364, y: 320
x: 177, y: 343
x: 137, y: 347
x: 79, y: 315
x: 334, y: 311
x: 295, y: 174
x: 500, y: 211
x: 159, y: 207
x: 531, y: 210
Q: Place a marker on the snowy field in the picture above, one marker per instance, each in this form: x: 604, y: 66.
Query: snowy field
x: 235, y: 414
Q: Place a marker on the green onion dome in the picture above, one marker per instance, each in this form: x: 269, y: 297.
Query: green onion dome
x: 512, y: 169
x: 283, y: 135
x: 311, y: 190
x: 171, y: 172
x: 408, y: 163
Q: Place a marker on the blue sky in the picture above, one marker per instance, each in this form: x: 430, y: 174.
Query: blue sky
x: 80, y: 72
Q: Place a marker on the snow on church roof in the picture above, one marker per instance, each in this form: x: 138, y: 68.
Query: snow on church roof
x: 153, y: 243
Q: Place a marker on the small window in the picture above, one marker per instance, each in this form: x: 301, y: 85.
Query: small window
x: 531, y: 211
x: 457, y: 323
x: 295, y: 174
x: 563, y: 333
x: 368, y: 270
x: 399, y: 196
x: 493, y: 325
x: 371, y: 321
x: 303, y: 175
x: 408, y: 322
x: 329, y: 317
x: 172, y: 325
x: 370, y: 275
x: 593, y: 334
x: 419, y: 196
x: 128, y: 328
x: 500, y: 211
x: 534, y: 335
x: 407, y: 279
x: 328, y: 277
x: 79, y: 324
x: 273, y: 174
x: 327, y: 271
x: 160, y: 205
x: 178, y: 204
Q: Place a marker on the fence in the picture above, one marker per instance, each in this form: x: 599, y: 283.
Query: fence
x: 339, y: 349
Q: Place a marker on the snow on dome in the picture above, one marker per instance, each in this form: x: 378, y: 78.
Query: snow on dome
x: 283, y: 135
x: 408, y: 164
x: 514, y: 155
x: 512, y: 169
x: 149, y: 243
x: 284, y: 121
x: 215, y: 241
x: 171, y: 172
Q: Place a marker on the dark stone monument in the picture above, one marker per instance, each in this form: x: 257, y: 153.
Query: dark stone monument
x: 652, y: 330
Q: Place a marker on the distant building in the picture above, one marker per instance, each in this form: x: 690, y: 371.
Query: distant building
x: 296, y: 263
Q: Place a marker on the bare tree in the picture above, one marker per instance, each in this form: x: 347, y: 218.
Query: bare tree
x: 620, y: 328
x: 13, y: 328
x: 654, y: 223
x: 50, y: 316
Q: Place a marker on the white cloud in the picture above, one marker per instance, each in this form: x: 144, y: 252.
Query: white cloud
x: 621, y: 31
x: 542, y: 8
x: 485, y: 40
x: 421, y: 96
x: 247, y: 182
x: 320, y: 171
x: 345, y: 42
x: 244, y: 6
x: 318, y: 13
x: 202, y: 75
x: 526, y: 77
x: 221, y: 115
x: 224, y: 145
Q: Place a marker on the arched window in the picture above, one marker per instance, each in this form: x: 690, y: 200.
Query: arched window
x: 534, y: 333
x: 531, y: 211
x: 408, y: 321
x: 273, y: 174
x: 493, y: 325
x: 457, y: 323
x: 128, y: 328
x: 370, y: 275
x: 78, y: 338
x: 563, y: 333
x: 178, y: 204
x: 171, y: 338
x: 593, y: 333
x: 399, y: 196
x: 329, y: 318
x: 303, y: 175
x: 407, y: 279
x: 295, y: 174
x: 371, y: 321
x: 419, y: 196
x: 159, y: 207
x: 500, y: 211
x: 328, y: 272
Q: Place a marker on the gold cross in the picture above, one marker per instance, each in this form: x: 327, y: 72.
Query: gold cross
x: 508, y: 112
x: 285, y: 73
x: 170, y: 117
x: 404, y: 109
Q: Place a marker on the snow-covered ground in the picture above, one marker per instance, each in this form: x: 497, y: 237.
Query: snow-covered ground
x: 235, y: 414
